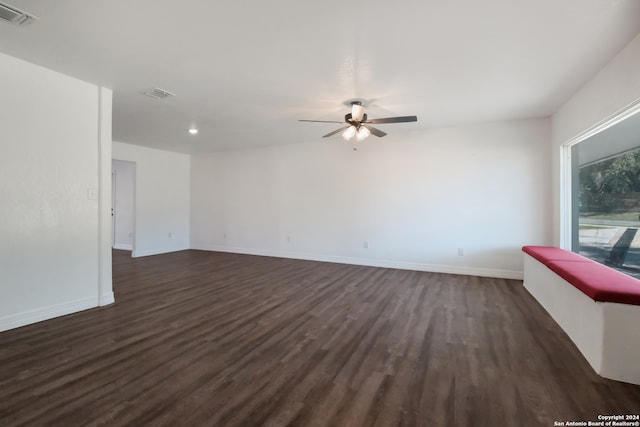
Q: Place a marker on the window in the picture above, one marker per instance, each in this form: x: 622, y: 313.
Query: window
x: 605, y: 192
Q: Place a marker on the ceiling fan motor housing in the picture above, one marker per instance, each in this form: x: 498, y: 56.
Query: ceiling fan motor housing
x: 348, y: 118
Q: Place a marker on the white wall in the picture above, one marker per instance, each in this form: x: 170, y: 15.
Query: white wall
x: 415, y: 198
x: 162, y: 198
x: 50, y: 229
x: 124, y: 174
x: 613, y: 89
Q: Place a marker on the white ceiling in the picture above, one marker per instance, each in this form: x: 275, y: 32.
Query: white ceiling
x: 245, y: 71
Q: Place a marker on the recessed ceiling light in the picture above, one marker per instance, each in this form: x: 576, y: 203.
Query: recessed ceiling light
x: 193, y: 131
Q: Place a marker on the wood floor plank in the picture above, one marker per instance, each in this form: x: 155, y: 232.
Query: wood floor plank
x: 213, y: 339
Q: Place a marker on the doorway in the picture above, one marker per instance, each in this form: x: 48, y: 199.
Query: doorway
x: 123, y: 179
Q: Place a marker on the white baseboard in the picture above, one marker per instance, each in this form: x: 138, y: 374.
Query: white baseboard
x: 122, y: 247
x: 157, y: 251
x: 401, y: 265
x: 33, y: 316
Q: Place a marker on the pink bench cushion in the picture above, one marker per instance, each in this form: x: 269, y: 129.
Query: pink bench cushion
x: 598, y: 281
x: 544, y: 254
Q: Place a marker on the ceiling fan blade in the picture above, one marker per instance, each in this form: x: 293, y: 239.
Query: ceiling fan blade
x: 402, y: 119
x: 335, y: 131
x: 321, y: 121
x: 374, y: 131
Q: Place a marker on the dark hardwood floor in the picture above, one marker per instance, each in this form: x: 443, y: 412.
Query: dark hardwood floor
x: 211, y: 339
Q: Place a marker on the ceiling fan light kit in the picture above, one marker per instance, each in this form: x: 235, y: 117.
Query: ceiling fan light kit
x: 349, y: 133
x: 360, y: 133
x: 357, y: 110
x: 359, y: 125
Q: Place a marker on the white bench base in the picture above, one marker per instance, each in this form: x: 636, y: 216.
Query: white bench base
x: 607, y: 334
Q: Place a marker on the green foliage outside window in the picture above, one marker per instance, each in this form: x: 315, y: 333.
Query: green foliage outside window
x: 610, y: 186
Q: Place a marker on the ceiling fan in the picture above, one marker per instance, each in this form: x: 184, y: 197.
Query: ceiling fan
x: 359, y: 125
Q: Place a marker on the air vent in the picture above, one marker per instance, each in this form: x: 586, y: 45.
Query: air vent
x: 14, y: 15
x: 158, y: 93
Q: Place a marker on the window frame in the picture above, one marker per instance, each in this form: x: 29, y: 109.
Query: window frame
x: 568, y: 213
